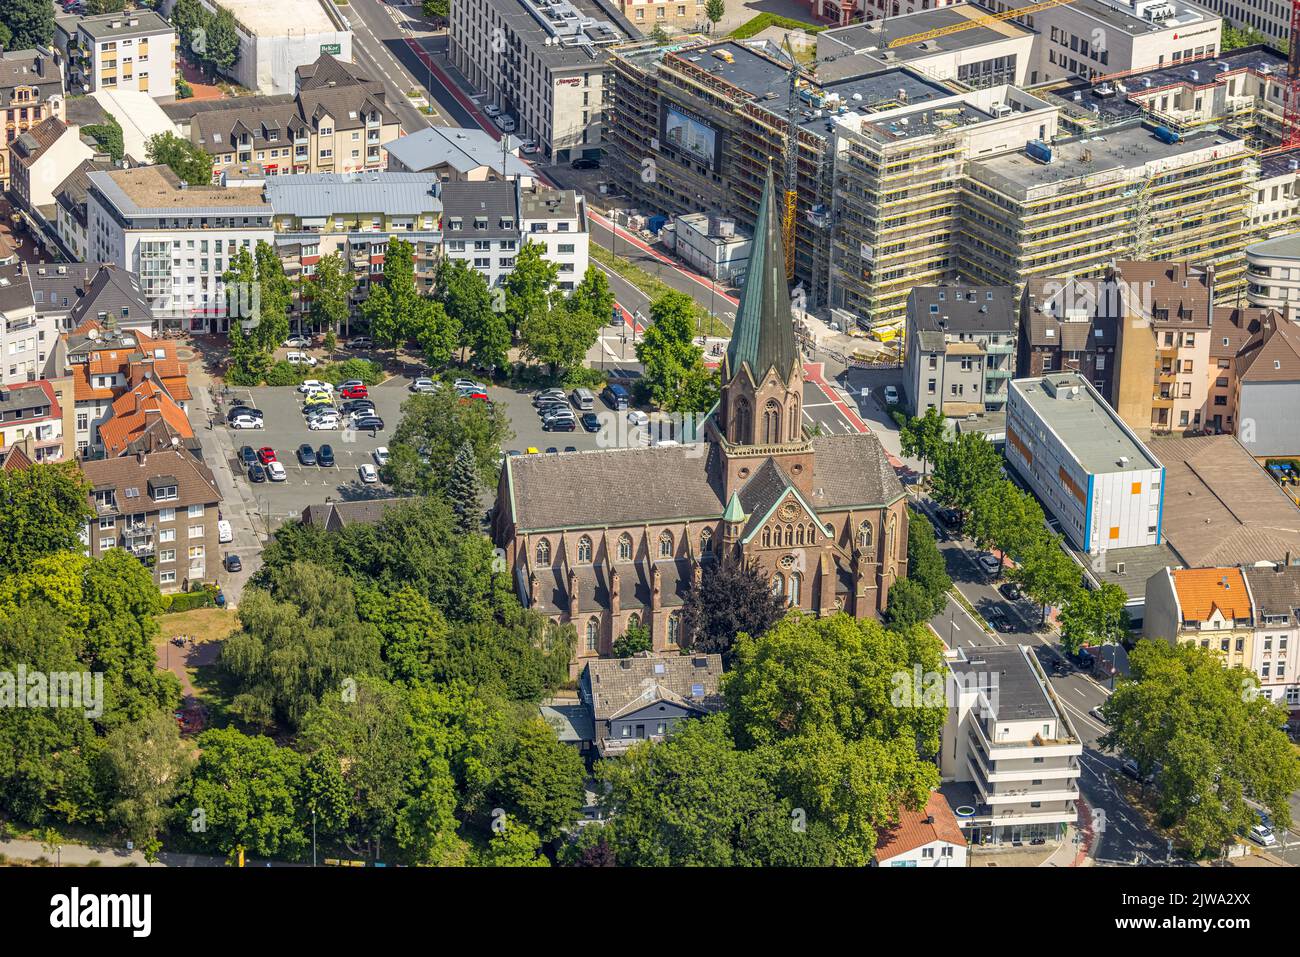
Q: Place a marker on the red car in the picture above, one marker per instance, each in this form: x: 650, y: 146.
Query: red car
x: 355, y: 392
x: 474, y: 394
x: 266, y: 454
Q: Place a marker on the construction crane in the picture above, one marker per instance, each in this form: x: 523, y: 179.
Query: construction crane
x: 792, y: 162
x: 983, y: 20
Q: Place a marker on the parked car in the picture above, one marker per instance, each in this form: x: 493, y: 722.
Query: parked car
x: 492, y: 110
x: 247, y: 456
x: 325, y: 456
x: 224, y: 532
x: 1263, y: 836
x: 479, y: 394
x: 247, y: 422
x: 507, y: 123
x: 350, y: 383
x: 357, y: 406
x: 590, y: 421
x: 637, y: 419
x: 297, y: 342
x: 266, y: 455
x: 369, y: 475
x: 361, y: 342
x: 424, y: 386
x: 371, y: 423
x: 354, y: 392
x: 318, y: 399
x: 306, y: 454
x: 300, y: 359
x: 327, y: 422
x: 308, y: 386
x: 546, y: 395
x: 585, y: 164
x: 570, y: 448
x: 381, y: 455
x: 1130, y: 769
x: 560, y: 423
x: 237, y: 410
x: 528, y: 147
x: 233, y: 564
x: 551, y: 449
x: 891, y: 395
x: 997, y: 619
x: 256, y: 473
x: 951, y: 518
x: 1096, y: 715
x: 990, y: 563
x: 1011, y: 592
x: 275, y: 472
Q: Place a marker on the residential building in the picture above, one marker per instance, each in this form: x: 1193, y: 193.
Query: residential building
x: 1266, y: 389
x: 481, y: 226
x: 671, y: 15
x: 336, y: 120
x: 1275, y: 592
x: 824, y: 517
x: 545, y: 63
x: 1221, y: 508
x: 645, y: 698
x: 1089, y: 470
x: 1065, y: 326
x: 275, y: 38
x: 1208, y: 607
x: 70, y: 207
x: 145, y: 418
x: 454, y: 154
x: 1010, y: 757
x: 26, y: 337
x: 960, y: 349
x: 68, y: 294
x: 355, y: 215
x: 31, y: 410
x: 162, y: 507
x: 929, y: 837
x: 1268, y: 17
x: 336, y: 516
x: 1077, y: 205
x: 41, y: 159
x: 31, y: 91
x: 557, y: 218
x: 1233, y: 330
x: 179, y: 240
x: 133, y: 50
x: 712, y: 245
x: 1276, y: 206
x: 1273, y: 274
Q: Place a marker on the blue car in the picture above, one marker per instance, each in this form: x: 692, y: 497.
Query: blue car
x: 256, y: 472
x: 325, y: 456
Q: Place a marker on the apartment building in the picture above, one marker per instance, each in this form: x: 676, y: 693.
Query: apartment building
x: 1208, y: 607
x: 645, y: 698
x: 1275, y: 591
x: 1272, y: 18
x: 960, y: 349
x: 557, y: 218
x: 1275, y: 209
x: 163, y: 508
x: 41, y: 159
x: 31, y: 411
x: 355, y: 215
x: 337, y: 120
x: 1233, y: 331
x: 1010, y: 757
x: 27, y: 338
x: 1131, y: 192
x: 671, y: 15
x: 1273, y: 274
x: 133, y: 50
x: 70, y: 208
x: 274, y: 38
x: 180, y: 240
x: 31, y: 91
x: 1265, y: 389
x: 1087, y: 468
x: 544, y: 63
x: 1067, y: 326
x: 68, y: 294
x: 469, y: 155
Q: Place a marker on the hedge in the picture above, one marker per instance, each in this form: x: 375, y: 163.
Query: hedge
x: 189, y: 600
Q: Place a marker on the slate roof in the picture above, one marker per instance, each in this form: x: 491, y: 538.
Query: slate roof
x: 35, y: 67
x: 57, y: 286
x: 15, y: 291
x: 464, y: 150
x: 1237, y: 326
x: 116, y: 294
x: 71, y: 193
x: 1043, y: 305
x: 335, y: 516
x: 1272, y: 354
x: 593, y: 585
x: 961, y: 309
x: 1276, y: 590
x: 618, y: 686
x: 763, y: 333
x: 195, y: 484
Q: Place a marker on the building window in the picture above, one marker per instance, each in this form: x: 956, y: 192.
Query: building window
x: 674, y: 629
x: 593, y: 635
x: 864, y: 535
x: 706, y: 541
x: 778, y: 585
x: 771, y: 423
x: 625, y: 547
x: 666, y: 545
x: 543, y: 552
x: 796, y: 587
x: 584, y: 550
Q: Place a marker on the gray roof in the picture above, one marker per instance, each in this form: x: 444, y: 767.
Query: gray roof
x: 570, y: 719
x: 333, y: 516
x: 619, y: 686
x: 113, y: 292
x: 539, y: 203
x: 763, y: 334
x: 34, y: 67
x: 1020, y: 695
x: 495, y: 201
x: 1043, y: 307
x: 1140, y: 563
x: 115, y: 26
x: 524, y: 20
x: 1083, y: 422
x: 978, y: 310
x: 323, y: 194
x: 1286, y: 247
x: 57, y: 287
x: 1276, y: 589
x: 71, y: 193
x: 15, y: 291
x: 465, y: 150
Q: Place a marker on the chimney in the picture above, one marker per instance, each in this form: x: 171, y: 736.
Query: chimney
x: 139, y: 458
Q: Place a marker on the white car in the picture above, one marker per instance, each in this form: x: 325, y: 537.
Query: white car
x: 381, y: 455
x: 463, y: 384
x: 246, y: 422
x: 989, y: 562
x: 424, y: 385
x: 891, y: 394
x: 529, y: 147
x: 297, y: 342
x: 275, y: 472
x: 300, y: 359
x: 507, y: 123
x: 369, y: 474
x: 1262, y: 835
x: 492, y: 110
x: 637, y: 419
x: 224, y: 532
x: 315, y: 385
x: 323, y: 422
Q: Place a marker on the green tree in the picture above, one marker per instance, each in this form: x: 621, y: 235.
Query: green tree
x: 529, y: 288
x: 923, y: 437
x: 464, y: 294
x: 42, y: 511
x: 146, y: 766
x: 323, y: 795
x: 95, y: 7
x: 1094, y: 617
x: 714, y: 10
x: 329, y: 293
x: 435, y: 9
x: 732, y: 598
x: 909, y: 604
x: 30, y: 23
x: 559, y: 335
x: 222, y: 42
x: 380, y: 316
x: 1004, y: 518
x: 108, y: 135
x: 464, y: 488
x: 275, y: 292
x: 431, y: 433
x: 962, y: 468
x: 1047, y: 573
x: 436, y: 332
x: 925, y: 564
x: 243, y: 794
x: 541, y: 783
x: 1234, y: 38
x: 633, y: 641
x: 1209, y: 738
x: 5, y: 37
x: 513, y: 845
x: 186, y: 160
x: 673, y: 365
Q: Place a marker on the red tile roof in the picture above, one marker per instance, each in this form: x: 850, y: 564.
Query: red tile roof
x: 913, y: 831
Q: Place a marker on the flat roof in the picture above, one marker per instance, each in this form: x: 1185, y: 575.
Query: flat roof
x: 325, y: 194
x: 280, y: 17
x: 1287, y: 247
x: 111, y: 26
x: 1122, y: 15
x: 1117, y: 148
x: 1083, y: 422
x: 1140, y: 562
x: 875, y: 37
x: 1020, y: 695
x: 526, y: 19
x: 156, y: 190
x: 751, y: 72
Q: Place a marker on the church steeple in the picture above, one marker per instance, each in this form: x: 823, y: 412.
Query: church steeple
x: 763, y: 335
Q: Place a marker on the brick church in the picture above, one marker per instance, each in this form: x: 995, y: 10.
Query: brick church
x: 609, y: 538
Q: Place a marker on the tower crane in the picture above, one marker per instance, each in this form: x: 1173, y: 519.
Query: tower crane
x: 983, y: 20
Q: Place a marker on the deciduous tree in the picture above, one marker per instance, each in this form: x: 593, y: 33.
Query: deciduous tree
x: 732, y: 598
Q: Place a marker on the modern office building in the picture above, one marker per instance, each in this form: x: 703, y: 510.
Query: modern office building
x: 180, y: 240
x: 1010, y: 757
x: 1268, y: 17
x: 276, y: 38
x: 1087, y: 468
x: 133, y: 50
x: 545, y: 63
x: 960, y: 349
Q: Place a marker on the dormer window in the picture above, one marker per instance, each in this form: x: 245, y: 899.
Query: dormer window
x: 456, y: 222
x: 480, y: 222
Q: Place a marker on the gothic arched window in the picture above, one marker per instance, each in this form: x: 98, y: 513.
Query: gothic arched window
x: 584, y: 550
x: 778, y: 584
x: 666, y: 545
x: 798, y: 534
x: 771, y: 423
x: 706, y: 541
x: 625, y: 547
x: 796, y: 587
x: 741, y: 429
x: 543, y: 552
x: 674, y: 629
x: 864, y: 535
x: 794, y: 421
x: 593, y: 635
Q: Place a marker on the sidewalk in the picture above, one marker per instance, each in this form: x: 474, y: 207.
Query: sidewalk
x: 96, y: 855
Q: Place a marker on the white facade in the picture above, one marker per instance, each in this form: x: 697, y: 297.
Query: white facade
x: 1089, y: 470
x: 25, y: 336
x: 52, y: 167
x: 1273, y: 275
x: 32, y: 412
x: 1272, y: 18
x: 277, y: 38
x: 562, y: 230
x: 712, y: 246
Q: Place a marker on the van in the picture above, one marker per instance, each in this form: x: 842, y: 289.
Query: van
x: 615, y: 397
x: 583, y: 400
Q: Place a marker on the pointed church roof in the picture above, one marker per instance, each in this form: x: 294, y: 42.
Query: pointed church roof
x: 734, y: 512
x: 763, y: 335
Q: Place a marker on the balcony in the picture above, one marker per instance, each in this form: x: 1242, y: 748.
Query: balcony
x: 1162, y: 401
x: 1000, y: 349
x: 998, y: 372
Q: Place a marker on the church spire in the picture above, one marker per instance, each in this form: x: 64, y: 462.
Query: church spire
x: 763, y: 336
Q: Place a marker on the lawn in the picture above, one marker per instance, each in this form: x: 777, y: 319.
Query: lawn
x: 758, y: 24
x: 197, y: 667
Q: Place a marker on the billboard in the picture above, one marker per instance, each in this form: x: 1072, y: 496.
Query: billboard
x: 686, y: 133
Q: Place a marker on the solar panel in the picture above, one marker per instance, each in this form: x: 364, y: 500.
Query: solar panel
x: 659, y: 667
x: 132, y: 492
x: 697, y: 691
